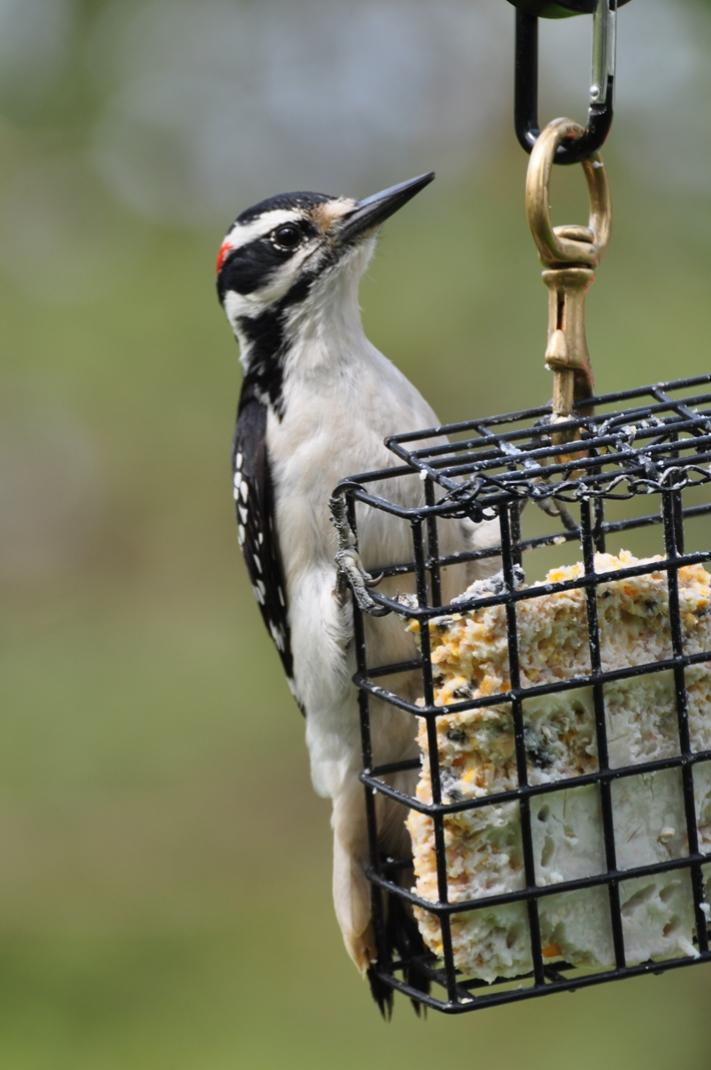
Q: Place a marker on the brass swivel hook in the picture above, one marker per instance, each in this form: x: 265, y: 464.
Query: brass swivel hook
x: 570, y: 255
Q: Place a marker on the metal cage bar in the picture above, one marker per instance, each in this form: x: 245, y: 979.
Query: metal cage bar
x: 508, y: 559
x: 586, y: 540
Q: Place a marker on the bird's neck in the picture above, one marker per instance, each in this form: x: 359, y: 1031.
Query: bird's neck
x: 325, y: 332
x: 313, y: 341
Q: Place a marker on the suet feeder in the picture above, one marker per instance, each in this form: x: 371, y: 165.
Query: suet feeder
x: 559, y: 800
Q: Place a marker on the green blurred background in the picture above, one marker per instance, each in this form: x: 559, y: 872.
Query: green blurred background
x: 164, y: 877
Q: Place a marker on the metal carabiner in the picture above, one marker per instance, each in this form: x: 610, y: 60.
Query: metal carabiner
x: 600, y: 108
x: 559, y: 9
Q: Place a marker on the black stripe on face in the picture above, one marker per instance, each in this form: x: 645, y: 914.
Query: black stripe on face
x: 250, y: 267
x: 267, y: 351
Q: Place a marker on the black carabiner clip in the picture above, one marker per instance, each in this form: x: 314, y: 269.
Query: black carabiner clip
x: 559, y: 9
x: 600, y: 110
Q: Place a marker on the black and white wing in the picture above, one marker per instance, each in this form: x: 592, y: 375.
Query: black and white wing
x: 254, y: 508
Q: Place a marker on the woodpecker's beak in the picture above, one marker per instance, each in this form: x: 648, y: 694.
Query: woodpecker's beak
x: 374, y: 210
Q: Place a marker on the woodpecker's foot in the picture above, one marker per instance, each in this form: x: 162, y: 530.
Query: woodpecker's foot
x: 351, y: 573
x: 339, y: 518
x: 558, y: 511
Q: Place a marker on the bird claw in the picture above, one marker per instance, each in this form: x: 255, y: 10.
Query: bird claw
x: 558, y: 511
x: 349, y: 567
x: 351, y: 573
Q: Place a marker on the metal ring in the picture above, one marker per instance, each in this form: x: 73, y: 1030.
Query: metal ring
x: 566, y: 245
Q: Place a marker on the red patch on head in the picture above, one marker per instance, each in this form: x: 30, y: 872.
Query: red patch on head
x: 225, y: 249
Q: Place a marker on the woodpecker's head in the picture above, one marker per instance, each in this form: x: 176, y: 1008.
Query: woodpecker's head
x: 294, y: 249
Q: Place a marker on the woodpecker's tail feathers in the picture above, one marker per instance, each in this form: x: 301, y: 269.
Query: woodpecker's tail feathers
x: 403, y: 943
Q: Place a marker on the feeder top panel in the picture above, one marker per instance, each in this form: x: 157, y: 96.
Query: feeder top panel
x: 653, y: 438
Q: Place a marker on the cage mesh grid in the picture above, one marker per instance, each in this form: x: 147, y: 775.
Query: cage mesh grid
x: 649, y: 445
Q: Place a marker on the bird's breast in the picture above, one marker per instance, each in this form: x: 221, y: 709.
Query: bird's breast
x: 311, y: 449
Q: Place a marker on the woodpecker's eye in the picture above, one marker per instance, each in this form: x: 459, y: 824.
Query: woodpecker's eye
x: 287, y: 237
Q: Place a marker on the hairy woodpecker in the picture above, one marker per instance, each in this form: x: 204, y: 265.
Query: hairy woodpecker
x: 317, y: 401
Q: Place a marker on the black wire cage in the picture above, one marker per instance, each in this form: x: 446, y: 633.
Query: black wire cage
x: 637, y: 469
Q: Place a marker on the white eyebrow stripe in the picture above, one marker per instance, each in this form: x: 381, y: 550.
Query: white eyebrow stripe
x: 243, y: 233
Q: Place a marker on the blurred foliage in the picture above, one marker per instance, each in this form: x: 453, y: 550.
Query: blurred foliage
x: 165, y: 888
